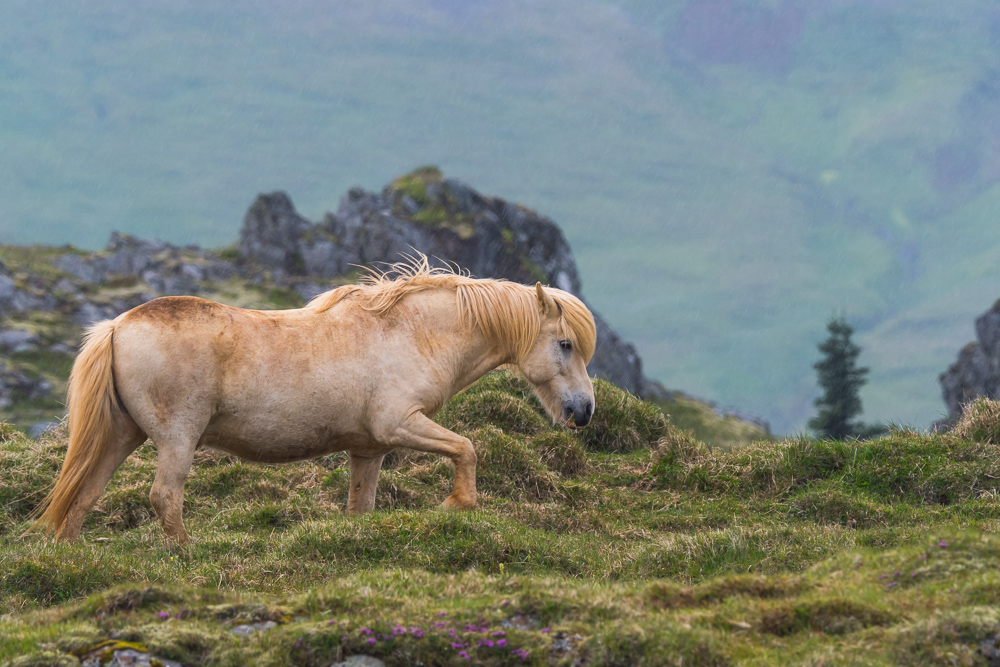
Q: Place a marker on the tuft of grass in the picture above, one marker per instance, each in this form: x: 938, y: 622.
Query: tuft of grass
x: 980, y: 421
x: 832, y: 616
x: 623, y: 422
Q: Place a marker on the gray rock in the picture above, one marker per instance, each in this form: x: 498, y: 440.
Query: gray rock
x: 359, y: 661
x: 272, y: 235
x: 8, y: 291
x: 247, y: 630
x: 126, y: 657
x: 38, y: 429
x: 976, y: 372
x: 75, y: 265
x: 18, y: 340
x: 90, y: 313
x: 16, y: 384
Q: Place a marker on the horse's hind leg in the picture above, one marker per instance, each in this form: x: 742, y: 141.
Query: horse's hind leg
x: 175, y: 455
x: 364, y: 479
x: 126, y: 439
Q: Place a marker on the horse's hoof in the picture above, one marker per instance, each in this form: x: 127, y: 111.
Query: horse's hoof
x: 453, y: 503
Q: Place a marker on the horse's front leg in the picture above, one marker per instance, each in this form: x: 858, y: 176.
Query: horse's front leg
x: 364, y: 479
x: 420, y: 433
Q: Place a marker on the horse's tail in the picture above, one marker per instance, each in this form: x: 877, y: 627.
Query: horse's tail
x: 92, y: 399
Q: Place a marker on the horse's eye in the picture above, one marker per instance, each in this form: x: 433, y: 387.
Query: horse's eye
x: 566, y: 345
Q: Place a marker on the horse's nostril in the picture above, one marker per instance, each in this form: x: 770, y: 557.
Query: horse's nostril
x: 589, y: 410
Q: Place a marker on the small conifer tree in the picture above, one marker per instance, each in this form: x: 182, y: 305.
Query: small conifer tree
x: 841, y: 380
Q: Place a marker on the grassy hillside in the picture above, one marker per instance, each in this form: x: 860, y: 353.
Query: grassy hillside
x: 626, y: 543
x: 729, y: 173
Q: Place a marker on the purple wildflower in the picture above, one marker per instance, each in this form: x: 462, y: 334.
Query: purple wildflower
x: 464, y: 654
x: 891, y: 584
x: 365, y: 631
x: 438, y: 624
x: 545, y: 630
x: 499, y: 633
x: 504, y: 603
x: 371, y: 641
x: 454, y: 645
x: 488, y: 643
x: 501, y: 643
x: 416, y: 632
x: 942, y: 544
x: 164, y: 615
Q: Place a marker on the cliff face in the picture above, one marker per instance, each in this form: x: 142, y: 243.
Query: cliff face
x: 446, y: 220
x: 976, y: 372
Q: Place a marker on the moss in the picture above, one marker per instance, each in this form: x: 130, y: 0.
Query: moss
x: 533, y: 271
x: 229, y: 254
x: 414, y: 184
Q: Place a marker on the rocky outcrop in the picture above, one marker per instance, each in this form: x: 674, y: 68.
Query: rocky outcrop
x: 446, y: 220
x: 977, y: 370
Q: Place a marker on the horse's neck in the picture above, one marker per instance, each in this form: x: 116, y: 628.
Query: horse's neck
x: 471, y: 354
x: 475, y: 357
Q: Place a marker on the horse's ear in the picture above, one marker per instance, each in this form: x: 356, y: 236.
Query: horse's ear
x: 546, y: 302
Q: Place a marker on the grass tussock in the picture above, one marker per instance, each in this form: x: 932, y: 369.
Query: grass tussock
x: 652, y: 549
x: 980, y: 421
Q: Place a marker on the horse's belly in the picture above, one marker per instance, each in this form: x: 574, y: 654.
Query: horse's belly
x: 271, y: 445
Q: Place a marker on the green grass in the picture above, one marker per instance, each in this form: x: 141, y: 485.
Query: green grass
x: 641, y: 546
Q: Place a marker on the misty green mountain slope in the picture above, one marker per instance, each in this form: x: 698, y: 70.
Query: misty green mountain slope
x: 729, y: 174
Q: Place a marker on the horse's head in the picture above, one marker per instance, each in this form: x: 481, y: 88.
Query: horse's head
x: 556, y: 365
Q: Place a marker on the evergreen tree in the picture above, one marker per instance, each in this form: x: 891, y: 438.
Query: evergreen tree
x: 841, y: 380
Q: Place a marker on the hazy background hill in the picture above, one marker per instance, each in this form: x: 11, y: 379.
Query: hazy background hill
x: 729, y: 174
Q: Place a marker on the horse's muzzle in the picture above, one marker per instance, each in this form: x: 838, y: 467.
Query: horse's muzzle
x: 580, y: 411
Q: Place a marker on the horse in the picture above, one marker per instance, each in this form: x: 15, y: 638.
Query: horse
x: 362, y: 368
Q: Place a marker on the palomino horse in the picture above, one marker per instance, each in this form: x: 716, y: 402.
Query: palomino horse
x: 362, y: 368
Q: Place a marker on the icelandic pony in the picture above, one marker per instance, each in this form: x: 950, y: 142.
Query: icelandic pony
x: 362, y: 368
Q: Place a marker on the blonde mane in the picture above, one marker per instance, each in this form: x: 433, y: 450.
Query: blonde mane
x: 504, y: 311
